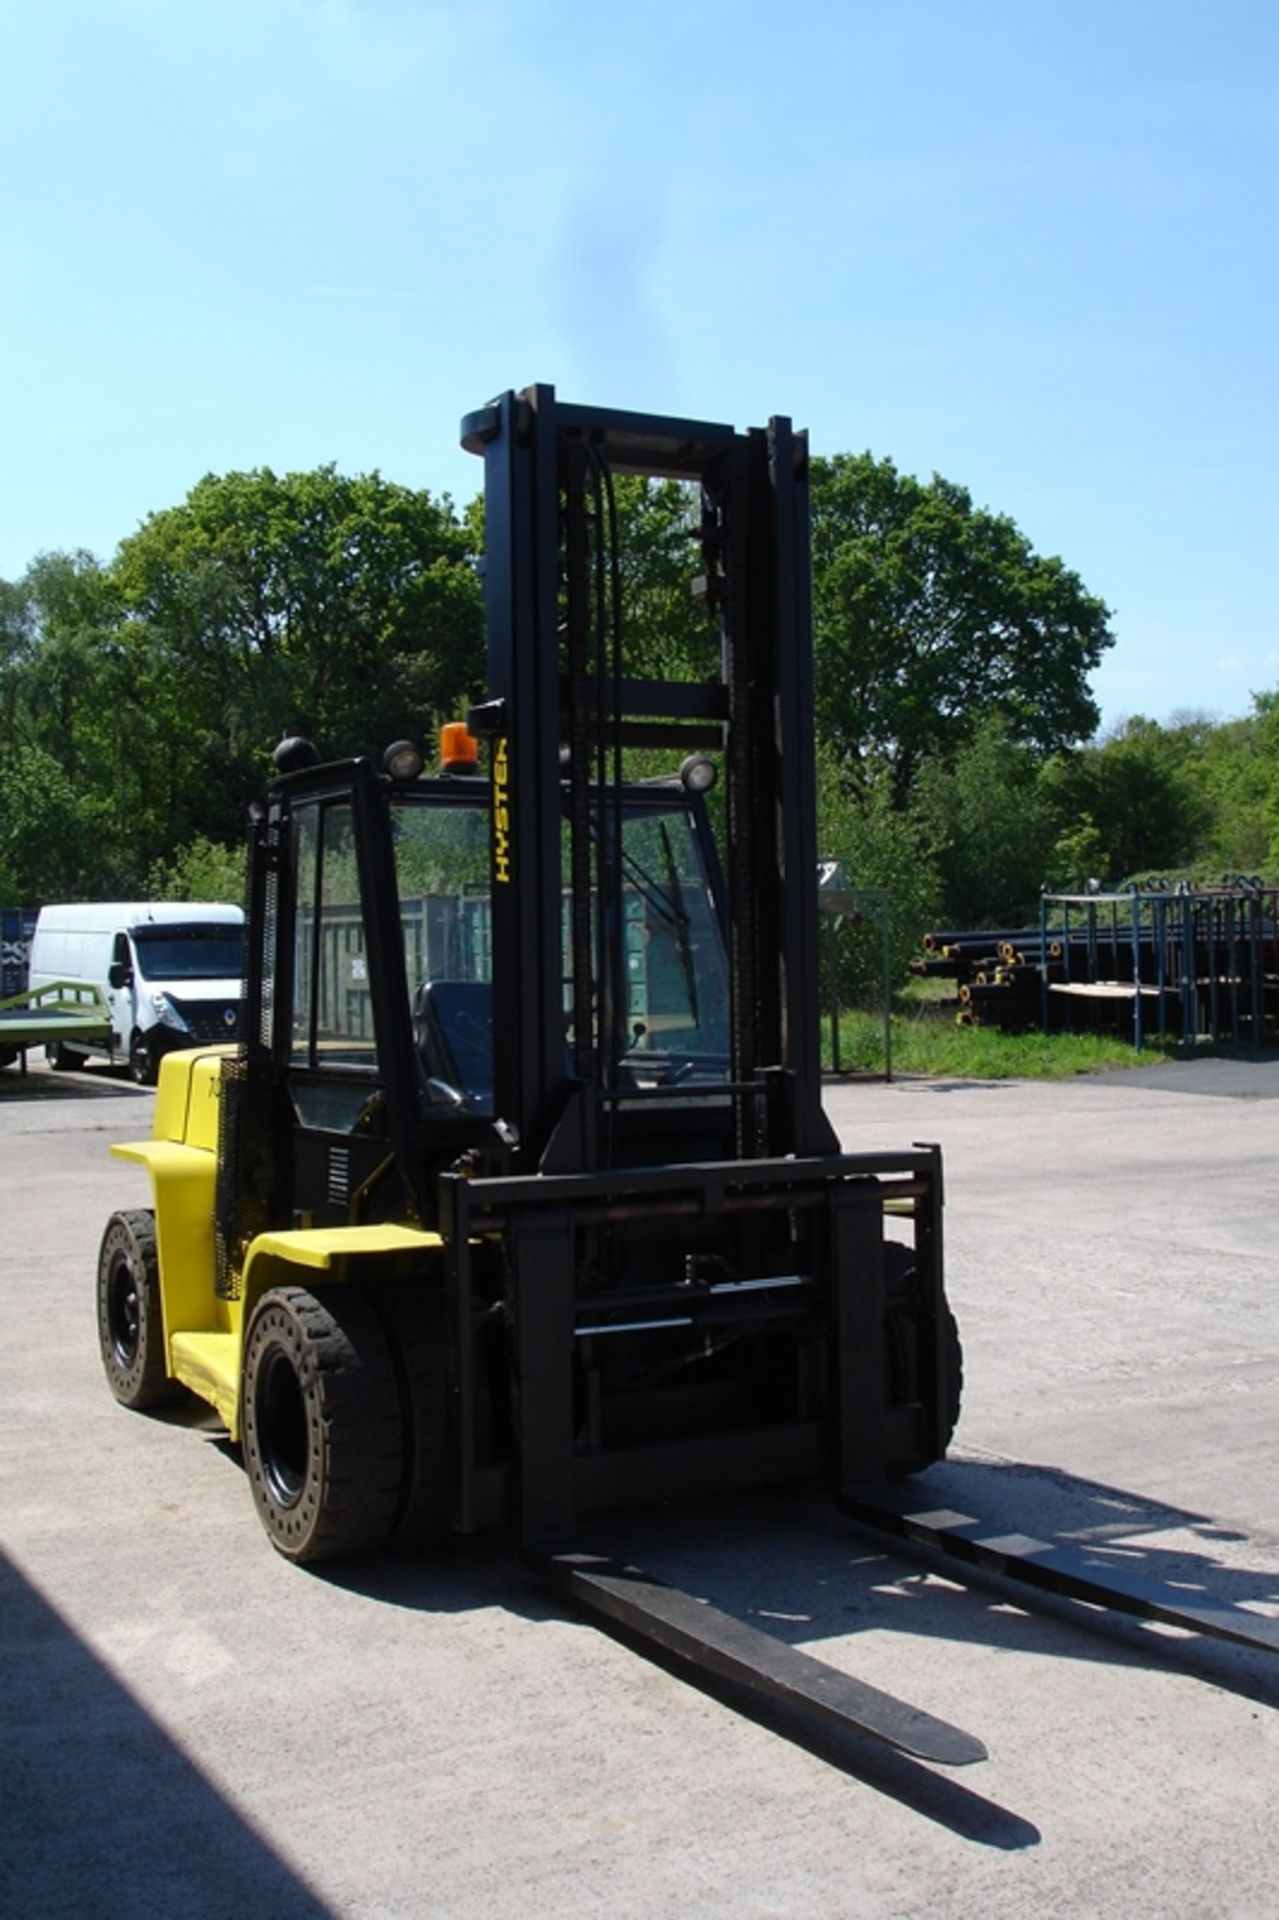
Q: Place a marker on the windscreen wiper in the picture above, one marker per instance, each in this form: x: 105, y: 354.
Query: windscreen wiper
x: 682, y: 923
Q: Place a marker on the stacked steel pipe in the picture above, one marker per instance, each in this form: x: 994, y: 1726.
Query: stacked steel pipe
x: 1188, y: 964
x: 996, y: 973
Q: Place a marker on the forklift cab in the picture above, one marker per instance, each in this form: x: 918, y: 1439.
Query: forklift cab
x: 672, y: 1026
x: 378, y: 1000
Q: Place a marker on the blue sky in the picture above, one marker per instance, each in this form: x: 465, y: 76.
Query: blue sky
x: 1027, y: 244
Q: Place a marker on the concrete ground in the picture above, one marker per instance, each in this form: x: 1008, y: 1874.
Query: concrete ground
x: 189, y: 1726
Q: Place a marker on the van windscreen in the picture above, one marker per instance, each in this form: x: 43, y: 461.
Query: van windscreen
x: 199, y: 952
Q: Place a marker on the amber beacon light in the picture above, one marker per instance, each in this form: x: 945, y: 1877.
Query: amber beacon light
x: 459, y: 750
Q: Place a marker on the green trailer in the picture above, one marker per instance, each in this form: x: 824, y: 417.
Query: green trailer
x: 42, y: 1016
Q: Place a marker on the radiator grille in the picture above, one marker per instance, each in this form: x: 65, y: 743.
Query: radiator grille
x: 339, y: 1176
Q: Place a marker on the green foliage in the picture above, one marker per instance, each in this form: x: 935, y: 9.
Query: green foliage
x: 55, y: 658
x: 932, y: 615
x: 139, y: 700
x: 669, y: 627
x: 1137, y: 789
x: 1078, y: 856
x: 670, y: 630
x: 347, y: 609
x: 48, y: 846
x: 928, y: 1043
x: 440, y: 853
x: 155, y: 687
x: 992, y: 825
x: 1236, y: 768
x: 201, y: 871
x: 878, y: 846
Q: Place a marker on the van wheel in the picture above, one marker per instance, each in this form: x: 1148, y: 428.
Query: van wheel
x: 142, y: 1068
x: 130, y: 1327
x: 323, y: 1435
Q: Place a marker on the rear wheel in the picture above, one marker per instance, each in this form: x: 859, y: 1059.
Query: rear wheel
x: 130, y: 1328
x: 322, y: 1424
x: 909, y: 1367
x: 61, y: 1057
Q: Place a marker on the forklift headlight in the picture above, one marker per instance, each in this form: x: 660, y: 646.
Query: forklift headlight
x: 698, y: 774
x: 402, y: 760
x: 293, y: 753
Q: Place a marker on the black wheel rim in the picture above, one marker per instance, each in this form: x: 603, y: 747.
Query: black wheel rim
x: 124, y: 1313
x: 281, y: 1422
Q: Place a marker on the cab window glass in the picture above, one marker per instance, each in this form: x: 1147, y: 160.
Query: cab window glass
x: 333, y: 1006
x: 306, y: 822
x: 442, y: 871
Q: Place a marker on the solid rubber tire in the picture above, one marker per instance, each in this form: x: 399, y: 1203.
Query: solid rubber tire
x: 414, y: 1312
x: 322, y: 1424
x: 899, y: 1287
x: 130, y: 1324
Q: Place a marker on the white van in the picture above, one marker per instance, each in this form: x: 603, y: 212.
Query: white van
x: 170, y: 973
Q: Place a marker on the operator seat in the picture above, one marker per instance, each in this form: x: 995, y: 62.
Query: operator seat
x: 453, y: 1033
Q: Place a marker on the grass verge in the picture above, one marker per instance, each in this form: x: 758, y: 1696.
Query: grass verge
x: 925, y: 1039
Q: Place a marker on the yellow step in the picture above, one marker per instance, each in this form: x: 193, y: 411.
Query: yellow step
x: 209, y: 1363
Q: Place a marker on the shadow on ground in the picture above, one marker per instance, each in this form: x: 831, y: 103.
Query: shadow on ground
x: 788, y: 1563
x: 88, y: 1083
x: 101, y: 1813
x: 807, y: 1573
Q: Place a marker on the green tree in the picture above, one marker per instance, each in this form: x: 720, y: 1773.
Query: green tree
x: 671, y: 629
x: 155, y: 687
x: 1138, y: 789
x: 201, y: 870
x: 1078, y: 857
x: 1267, y: 717
x: 993, y: 827
x: 881, y: 846
x: 344, y: 608
x: 17, y: 633
x: 1234, y: 767
x: 48, y: 847
x: 931, y: 614
x: 54, y: 624
x: 64, y: 750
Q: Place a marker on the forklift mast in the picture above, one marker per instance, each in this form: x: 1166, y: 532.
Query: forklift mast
x: 696, y: 1278
x: 530, y: 1017
x: 563, y: 707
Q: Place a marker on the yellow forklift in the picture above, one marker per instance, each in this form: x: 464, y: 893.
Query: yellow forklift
x: 517, y: 1200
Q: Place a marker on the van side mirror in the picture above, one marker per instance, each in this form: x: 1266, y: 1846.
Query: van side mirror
x: 120, y: 973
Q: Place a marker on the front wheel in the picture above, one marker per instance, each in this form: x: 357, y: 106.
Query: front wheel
x: 414, y: 1316
x: 323, y: 1434
x: 130, y: 1326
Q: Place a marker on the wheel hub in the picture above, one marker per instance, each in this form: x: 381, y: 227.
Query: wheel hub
x: 124, y: 1315
x: 282, y: 1428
